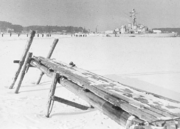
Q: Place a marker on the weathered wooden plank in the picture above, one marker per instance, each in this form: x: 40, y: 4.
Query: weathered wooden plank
x: 82, y: 77
x: 89, y: 81
x: 157, y: 111
x: 145, y: 114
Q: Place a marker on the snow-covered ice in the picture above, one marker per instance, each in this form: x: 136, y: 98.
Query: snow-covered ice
x: 151, y: 64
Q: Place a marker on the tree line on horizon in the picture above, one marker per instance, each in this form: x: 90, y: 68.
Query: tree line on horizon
x: 11, y: 28
x: 177, y: 30
x: 7, y: 27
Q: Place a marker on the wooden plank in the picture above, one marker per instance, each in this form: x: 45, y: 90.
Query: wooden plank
x: 88, y: 79
x: 101, y: 94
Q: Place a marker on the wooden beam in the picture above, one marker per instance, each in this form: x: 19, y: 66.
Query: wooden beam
x: 48, y: 56
x: 51, y: 94
x: 27, y: 47
x: 70, y: 103
x: 25, y: 67
x: 52, y: 48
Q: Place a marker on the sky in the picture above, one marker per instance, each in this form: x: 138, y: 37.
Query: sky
x: 91, y: 14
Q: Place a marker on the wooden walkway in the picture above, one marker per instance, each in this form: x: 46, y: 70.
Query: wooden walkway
x: 146, y: 106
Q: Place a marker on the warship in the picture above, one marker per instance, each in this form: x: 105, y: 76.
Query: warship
x: 134, y: 29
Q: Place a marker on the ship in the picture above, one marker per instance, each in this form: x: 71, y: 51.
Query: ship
x: 134, y: 29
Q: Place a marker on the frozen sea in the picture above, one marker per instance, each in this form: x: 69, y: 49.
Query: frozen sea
x: 150, y: 64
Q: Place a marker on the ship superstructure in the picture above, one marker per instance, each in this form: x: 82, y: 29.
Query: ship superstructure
x: 134, y: 29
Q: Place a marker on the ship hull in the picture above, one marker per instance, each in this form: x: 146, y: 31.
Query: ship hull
x: 146, y: 35
x: 121, y: 35
x: 157, y: 35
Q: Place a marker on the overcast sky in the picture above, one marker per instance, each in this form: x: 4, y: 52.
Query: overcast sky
x: 103, y: 14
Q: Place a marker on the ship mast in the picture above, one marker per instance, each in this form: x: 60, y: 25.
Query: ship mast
x: 133, y: 16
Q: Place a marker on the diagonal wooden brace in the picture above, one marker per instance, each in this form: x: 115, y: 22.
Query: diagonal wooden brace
x: 24, y: 70
x: 48, y: 56
x: 70, y: 103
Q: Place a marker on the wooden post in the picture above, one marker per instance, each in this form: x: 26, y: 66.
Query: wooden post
x: 52, y: 48
x: 48, y: 56
x: 51, y: 94
x: 23, y: 58
x: 26, y: 64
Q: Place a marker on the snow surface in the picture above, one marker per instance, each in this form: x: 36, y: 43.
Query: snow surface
x: 151, y: 64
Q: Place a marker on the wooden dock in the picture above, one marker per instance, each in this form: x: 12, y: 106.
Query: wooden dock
x: 146, y: 106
